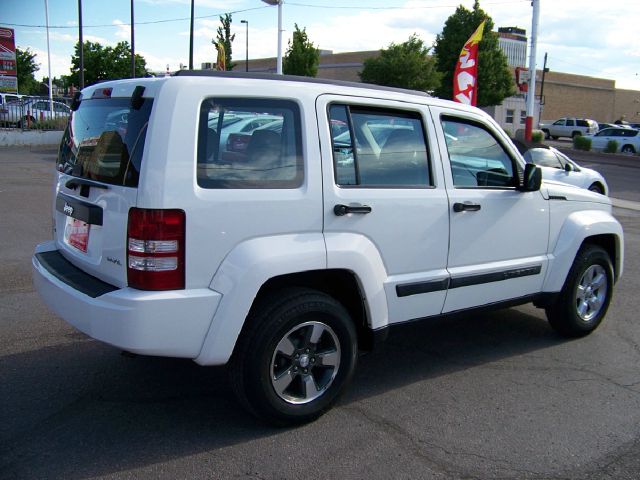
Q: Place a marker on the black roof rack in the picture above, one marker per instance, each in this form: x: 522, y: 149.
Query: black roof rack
x: 293, y: 78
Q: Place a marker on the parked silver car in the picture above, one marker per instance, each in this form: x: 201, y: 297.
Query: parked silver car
x: 32, y: 110
x: 556, y: 166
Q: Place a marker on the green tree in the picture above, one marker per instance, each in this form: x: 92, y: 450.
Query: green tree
x: 105, y: 63
x: 224, y: 37
x: 495, y: 81
x: 26, y: 66
x: 403, y: 65
x: 302, y: 57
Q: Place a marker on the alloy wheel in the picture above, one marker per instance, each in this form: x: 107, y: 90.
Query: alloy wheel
x: 305, y: 362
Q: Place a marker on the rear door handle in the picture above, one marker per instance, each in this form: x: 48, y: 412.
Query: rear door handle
x: 341, y: 210
x: 466, y: 207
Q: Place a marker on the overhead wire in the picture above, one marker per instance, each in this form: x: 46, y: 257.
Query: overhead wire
x: 150, y: 22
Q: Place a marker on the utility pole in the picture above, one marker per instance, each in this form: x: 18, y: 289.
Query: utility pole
x: 191, y: 39
x: 81, y: 52
x: 544, y: 71
x: 246, y: 61
x: 133, y: 46
x: 531, y: 94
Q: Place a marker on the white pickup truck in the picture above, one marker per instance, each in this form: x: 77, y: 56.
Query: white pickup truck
x: 358, y: 209
x: 569, y: 127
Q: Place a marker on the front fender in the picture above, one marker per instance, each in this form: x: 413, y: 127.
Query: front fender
x: 239, y: 278
x: 577, y: 227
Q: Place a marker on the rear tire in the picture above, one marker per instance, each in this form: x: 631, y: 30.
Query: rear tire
x: 295, y: 356
x: 586, y: 294
x: 576, y: 134
x: 554, y: 137
x: 628, y: 149
x: 546, y: 134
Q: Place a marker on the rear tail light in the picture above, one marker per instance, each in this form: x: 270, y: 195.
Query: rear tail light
x: 155, y: 249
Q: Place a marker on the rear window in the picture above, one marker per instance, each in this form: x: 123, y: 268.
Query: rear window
x: 104, y: 141
x: 249, y: 143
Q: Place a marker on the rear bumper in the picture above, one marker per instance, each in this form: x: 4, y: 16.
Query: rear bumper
x: 168, y: 323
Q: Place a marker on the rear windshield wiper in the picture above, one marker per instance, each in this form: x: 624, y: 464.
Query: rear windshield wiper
x: 75, y: 182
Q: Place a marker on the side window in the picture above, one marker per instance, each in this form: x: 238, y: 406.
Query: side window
x: 570, y: 123
x: 542, y: 157
x: 249, y: 143
x: 477, y: 158
x: 379, y: 148
x: 523, y: 117
x: 559, y: 122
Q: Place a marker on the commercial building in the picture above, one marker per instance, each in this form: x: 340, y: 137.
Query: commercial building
x: 565, y: 94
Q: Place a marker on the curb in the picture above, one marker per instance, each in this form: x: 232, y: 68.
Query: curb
x: 625, y: 204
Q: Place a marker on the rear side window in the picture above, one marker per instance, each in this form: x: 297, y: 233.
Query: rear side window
x: 477, y: 159
x: 379, y: 148
x: 104, y: 141
x: 249, y: 143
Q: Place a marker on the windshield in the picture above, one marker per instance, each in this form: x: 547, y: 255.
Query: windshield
x: 104, y: 141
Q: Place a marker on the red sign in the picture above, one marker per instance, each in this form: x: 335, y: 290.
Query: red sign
x: 465, y: 77
x: 7, y: 52
x: 522, y: 79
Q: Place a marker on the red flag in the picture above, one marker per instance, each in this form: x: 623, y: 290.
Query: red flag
x: 465, y: 78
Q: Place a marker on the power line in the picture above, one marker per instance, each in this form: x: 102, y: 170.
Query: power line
x: 361, y: 7
x: 151, y: 22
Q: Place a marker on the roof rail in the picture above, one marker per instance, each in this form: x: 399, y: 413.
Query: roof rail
x: 293, y: 78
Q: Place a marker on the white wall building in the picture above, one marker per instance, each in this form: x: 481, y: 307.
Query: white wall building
x: 511, y: 114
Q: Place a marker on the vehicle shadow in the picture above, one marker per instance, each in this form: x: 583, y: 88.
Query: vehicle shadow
x: 83, y: 409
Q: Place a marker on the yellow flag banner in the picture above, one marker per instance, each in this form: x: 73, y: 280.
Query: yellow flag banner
x: 221, y: 64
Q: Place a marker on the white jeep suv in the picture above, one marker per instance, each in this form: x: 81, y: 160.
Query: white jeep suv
x: 366, y: 208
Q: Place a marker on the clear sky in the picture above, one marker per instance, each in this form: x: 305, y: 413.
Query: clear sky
x: 587, y: 37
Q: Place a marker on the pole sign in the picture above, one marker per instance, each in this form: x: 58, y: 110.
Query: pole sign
x: 8, y: 71
x: 465, y: 77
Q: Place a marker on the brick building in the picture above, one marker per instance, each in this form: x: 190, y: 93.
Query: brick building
x: 565, y: 94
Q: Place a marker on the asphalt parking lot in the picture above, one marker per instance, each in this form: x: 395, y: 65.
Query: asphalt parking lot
x: 491, y: 396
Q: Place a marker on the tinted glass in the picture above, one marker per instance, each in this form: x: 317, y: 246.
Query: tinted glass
x: 390, y: 148
x: 477, y: 159
x: 104, y: 141
x: 249, y: 143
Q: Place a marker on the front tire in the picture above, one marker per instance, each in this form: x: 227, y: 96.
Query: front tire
x: 596, y: 187
x: 295, y: 357
x: 586, y: 294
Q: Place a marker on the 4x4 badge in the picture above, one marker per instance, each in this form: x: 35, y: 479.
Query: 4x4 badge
x: 68, y: 209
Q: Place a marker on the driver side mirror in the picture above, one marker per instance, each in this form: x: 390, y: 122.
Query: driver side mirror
x: 568, y: 167
x: 532, y: 178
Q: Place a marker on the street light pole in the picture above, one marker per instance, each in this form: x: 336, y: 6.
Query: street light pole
x: 46, y: 12
x: 246, y: 62
x: 279, y: 60
x: 531, y: 94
